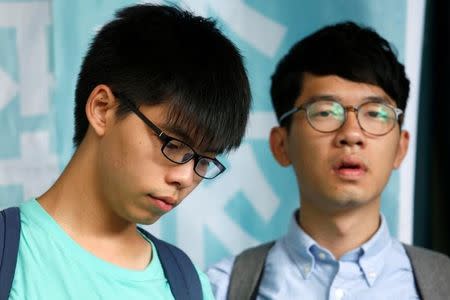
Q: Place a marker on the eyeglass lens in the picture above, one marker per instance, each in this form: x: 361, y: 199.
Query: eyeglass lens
x: 373, y: 117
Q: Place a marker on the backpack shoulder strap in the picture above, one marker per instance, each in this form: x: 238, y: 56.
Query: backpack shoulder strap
x: 9, y: 247
x: 247, y: 272
x: 431, y: 272
x: 179, y: 270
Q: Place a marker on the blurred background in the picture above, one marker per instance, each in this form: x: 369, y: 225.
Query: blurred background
x: 43, y: 42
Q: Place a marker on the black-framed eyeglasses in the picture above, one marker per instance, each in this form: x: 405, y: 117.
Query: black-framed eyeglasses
x: 178, y: 151
x: 374, y: 116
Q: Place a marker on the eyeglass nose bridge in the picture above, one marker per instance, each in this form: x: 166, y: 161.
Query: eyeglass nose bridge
x: 351, y: 108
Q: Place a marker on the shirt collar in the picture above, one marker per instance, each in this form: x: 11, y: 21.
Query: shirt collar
x: 303, y: 250
x: 374, y: 252
x: 298, y: 245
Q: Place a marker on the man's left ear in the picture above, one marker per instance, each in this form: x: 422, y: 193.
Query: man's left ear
x: 402, y: 148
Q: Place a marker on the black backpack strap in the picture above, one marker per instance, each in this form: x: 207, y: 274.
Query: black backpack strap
x: 178, y: 269
x: 431, y: 272
x: 9, y: 247
x: 247, y: 272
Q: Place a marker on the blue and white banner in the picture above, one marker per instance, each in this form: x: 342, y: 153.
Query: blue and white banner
x: 41, y: 47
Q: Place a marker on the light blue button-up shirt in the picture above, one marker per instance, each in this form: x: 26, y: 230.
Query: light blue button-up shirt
x: 298, y: 268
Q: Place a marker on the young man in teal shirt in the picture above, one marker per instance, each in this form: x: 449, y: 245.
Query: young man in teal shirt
x: 160, y: 93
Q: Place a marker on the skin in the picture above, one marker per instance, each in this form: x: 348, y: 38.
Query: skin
x: 339, y: 208
x: 117, y: 177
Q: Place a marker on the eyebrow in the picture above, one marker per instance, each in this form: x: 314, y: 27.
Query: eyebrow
x: 377, y: 99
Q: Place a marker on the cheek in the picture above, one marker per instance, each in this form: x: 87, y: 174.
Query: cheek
x: 381, y: 161
x: 123, y: 158
x: 309, y: 158
x: 113, y: 166
x: 388, y: 151
x: 385, y: 158
x: 117, y: 153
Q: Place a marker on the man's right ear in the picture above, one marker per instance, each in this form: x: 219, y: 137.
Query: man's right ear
x: 278, y: 145
x: 100, y: 108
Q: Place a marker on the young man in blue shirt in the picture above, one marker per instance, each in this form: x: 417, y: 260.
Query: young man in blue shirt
x: 160, y: 94
x: 339, y: 96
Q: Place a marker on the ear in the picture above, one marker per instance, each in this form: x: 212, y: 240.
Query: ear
x: 278, y: 145
x: 402, y: 148
x: 100, y: 108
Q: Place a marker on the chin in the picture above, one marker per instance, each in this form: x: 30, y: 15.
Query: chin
x: 143, y: 217
x: 348, y: 199
x: 146, y: 220
x: 352, y: 202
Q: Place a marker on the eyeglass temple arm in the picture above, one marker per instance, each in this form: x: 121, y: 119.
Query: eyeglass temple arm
x: 134, y: 108
x: 288, y: 113
x: 398, y: 112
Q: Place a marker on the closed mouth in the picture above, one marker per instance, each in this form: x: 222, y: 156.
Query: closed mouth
x: 168, y: 200
x: 164, y: 203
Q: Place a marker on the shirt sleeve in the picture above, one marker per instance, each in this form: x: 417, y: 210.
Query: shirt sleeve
x: 219, y: 277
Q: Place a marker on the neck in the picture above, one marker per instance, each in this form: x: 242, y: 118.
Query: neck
x: 77, y: 203
x: 341, y: 231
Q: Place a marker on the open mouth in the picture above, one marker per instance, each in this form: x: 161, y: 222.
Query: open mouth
x: 349, y: 165
x: 350, y: 169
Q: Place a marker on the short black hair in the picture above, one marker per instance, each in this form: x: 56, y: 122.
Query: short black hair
x: 347, y: 50
x: 159, y: 54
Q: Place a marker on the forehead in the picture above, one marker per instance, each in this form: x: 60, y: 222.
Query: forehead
x: 346, y: 91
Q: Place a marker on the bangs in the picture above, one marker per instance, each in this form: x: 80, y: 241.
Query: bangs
x: 206, y: 127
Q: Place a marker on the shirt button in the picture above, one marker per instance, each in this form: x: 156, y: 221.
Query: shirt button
x: 307, y: 268
x: 322, y: 255
x: 339, y: 294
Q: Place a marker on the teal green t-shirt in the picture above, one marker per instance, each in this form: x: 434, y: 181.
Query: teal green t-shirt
x: 51, y: 265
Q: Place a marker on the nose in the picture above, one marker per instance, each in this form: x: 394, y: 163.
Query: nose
x: 350, y: 134
x: 182, y: 175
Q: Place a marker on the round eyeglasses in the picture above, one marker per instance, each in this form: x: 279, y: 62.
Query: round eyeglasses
x: 178, y: 151
x: 374, y: 117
